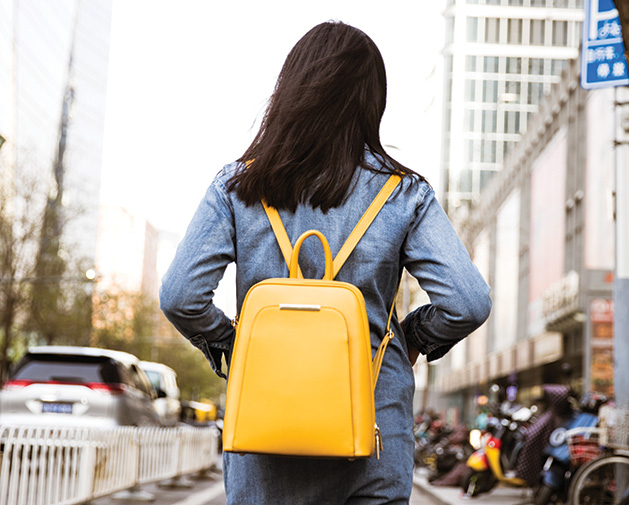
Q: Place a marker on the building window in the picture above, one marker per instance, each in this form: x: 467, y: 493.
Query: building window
x: 488, y: 151
x: 536, y: 66
x: 492, y: 30
x: 557, y: 66
x: 560, y: 33
x: 536, y: 90
x: 465, y: 181
x: 468, y: 120
x: 516, y: 2
x: 491, y: 64
x: 513, y: 89
x: 537, y: 32
x: 485, y: 175
x: 489, y: 121
x: 490, y: 91
x: 538, y: 3
x: 470, y: 63
x: 512, y: 122
x: 449, y: 30
x: 472, y: 29
x: 514, y: 65
x: 514, y: 31
x: 470, y: 90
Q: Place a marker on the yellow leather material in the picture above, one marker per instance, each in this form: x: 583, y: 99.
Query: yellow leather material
x: 300, y: 380
x: 280, y: 233
x: 301, y: 377
x: 362, y: 225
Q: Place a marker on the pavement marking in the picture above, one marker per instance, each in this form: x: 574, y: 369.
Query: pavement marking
x: 202, y: 497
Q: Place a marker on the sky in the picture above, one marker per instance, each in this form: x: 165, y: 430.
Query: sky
x: 189, y: 80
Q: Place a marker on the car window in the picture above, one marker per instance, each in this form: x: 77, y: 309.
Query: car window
x: 154, y: 378
x: 67, y: 368
x: 139, y: 380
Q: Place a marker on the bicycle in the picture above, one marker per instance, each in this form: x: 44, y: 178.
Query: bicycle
x: 605, y: 479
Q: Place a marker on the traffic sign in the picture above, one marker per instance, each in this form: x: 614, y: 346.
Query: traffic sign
x: 603, y: 62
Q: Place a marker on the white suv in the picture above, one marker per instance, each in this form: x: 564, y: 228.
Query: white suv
x: 85, y: 386
x: 164, y: 381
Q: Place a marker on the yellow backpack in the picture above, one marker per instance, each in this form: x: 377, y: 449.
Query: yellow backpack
x: 301, y: 379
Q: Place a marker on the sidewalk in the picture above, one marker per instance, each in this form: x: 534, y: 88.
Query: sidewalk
x: 453, y: 495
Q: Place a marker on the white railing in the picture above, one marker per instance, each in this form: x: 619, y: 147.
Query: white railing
x: 67, y: 466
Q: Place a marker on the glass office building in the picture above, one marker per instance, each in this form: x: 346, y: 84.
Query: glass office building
x: 500, y: 58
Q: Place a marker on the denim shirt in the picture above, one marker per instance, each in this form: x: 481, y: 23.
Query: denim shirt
x: 411, y: 231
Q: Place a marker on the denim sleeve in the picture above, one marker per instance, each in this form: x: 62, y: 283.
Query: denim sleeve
x: 459, y: 296
x: 187, y: 290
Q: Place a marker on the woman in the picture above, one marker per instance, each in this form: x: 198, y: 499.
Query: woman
x: 318, y: 159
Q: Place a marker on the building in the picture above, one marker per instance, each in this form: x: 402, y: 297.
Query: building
x: 127, y: 253
x: 542, y: 234
x: 500, y: 59
x: 55, y: 55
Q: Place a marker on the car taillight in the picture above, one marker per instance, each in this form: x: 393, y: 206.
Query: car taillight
x: 17, y: 384
x: 103, y: 387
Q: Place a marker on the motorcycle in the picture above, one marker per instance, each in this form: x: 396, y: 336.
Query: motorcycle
x: 570, y: 445
x: 495, y: 460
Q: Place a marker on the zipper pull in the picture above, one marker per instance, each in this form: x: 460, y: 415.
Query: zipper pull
x: 234, y: 322
x: 379, y: 446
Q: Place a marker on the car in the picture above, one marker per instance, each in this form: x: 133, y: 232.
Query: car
x: 164, y: 381
x: 78, y: 386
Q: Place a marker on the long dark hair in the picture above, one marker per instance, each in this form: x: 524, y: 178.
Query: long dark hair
x: 326, y: 109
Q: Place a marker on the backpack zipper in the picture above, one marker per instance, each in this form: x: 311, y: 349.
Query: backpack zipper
x: 379, y: 446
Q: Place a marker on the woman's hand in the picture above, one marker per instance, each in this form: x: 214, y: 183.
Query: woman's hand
x: 413, y: 354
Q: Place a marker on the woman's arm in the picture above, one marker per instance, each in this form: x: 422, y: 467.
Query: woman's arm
x: 187, y: 291
x: 459, y: 296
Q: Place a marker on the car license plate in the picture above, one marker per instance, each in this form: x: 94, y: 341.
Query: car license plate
x: 57, y: 408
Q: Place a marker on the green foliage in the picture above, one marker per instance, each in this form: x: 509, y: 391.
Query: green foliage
x: 133, y: 323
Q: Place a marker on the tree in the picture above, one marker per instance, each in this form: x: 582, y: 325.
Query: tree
x: 20, y: 219
x: 133, y: 323
x: 123, y: 321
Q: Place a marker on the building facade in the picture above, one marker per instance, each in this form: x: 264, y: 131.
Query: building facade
x: 542, y: 234
x: 500, y: 59
x: 54, y: 55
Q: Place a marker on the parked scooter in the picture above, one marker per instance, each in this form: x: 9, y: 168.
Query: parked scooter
x: 513, y: 454
x: 569, y: 446
x: 495, y: 460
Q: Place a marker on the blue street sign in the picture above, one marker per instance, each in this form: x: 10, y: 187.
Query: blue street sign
x: 603, y: 62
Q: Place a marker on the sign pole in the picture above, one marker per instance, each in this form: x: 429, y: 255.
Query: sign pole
x: 621, y: 279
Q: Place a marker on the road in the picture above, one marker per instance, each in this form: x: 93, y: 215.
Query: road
x: 210, y: 491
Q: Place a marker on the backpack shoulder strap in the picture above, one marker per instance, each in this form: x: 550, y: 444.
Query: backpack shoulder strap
x: 281, y: 235
x: 368, y: 217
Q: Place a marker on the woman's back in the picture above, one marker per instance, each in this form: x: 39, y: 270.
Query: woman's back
x: 319, y: 160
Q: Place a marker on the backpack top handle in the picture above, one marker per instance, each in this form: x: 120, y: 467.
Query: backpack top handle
x: 294, y: 266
